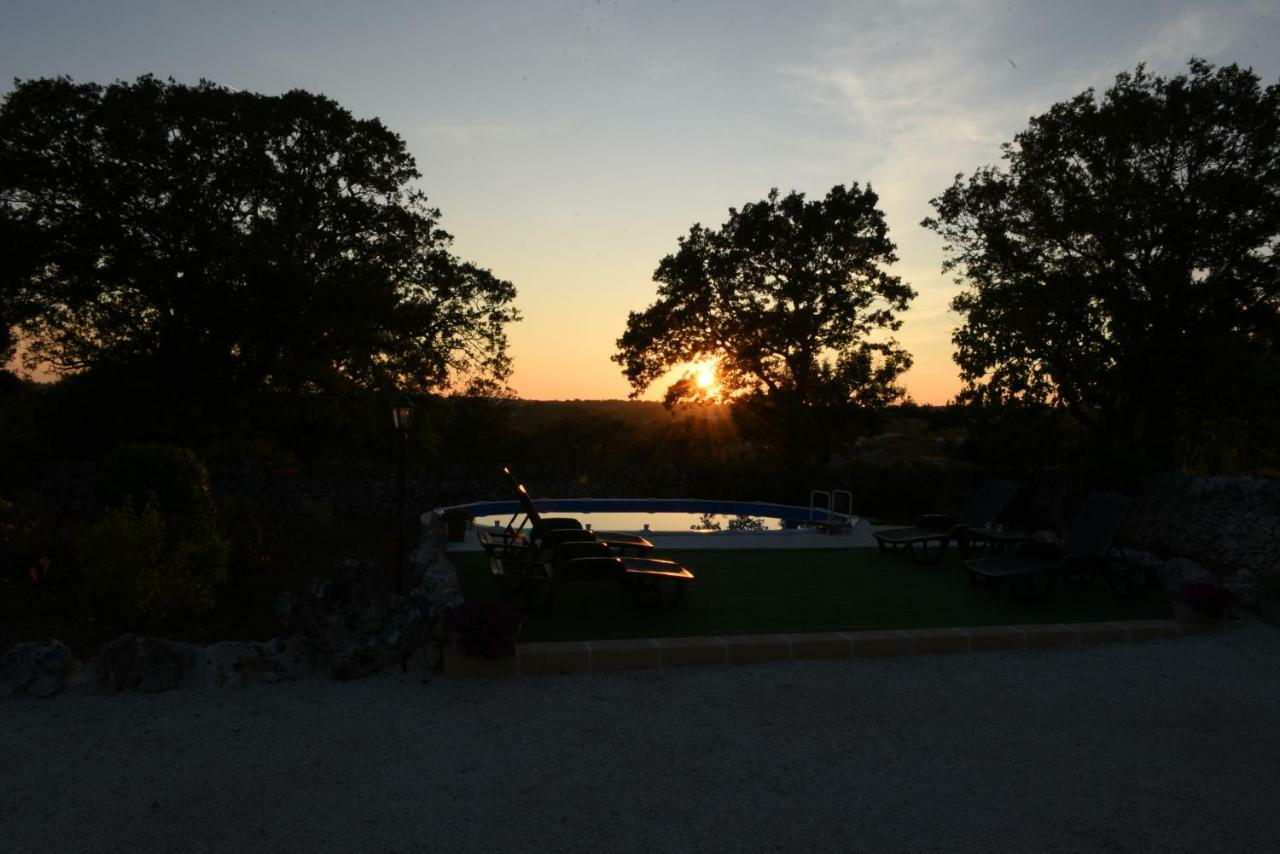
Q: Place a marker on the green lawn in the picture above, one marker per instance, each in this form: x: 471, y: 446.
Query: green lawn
x: 739, y: 592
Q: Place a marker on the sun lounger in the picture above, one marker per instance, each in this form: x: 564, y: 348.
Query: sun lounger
x: 1089, y: 548
x: 939, y: 529
x: 559, y: 550
x: 548, y: 532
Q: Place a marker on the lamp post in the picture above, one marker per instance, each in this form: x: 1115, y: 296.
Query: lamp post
x: 402, y: 417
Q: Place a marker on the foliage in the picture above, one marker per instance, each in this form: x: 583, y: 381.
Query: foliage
x: 220, y: 242
x: 1122, y: 266
x: 156, y: 552
x: 484, y: 629
x: 706, y: 522
x: 173, y: 477
x: 744, y: 522
x: 1026, y: 436
x: 144, y: 567
x: 21, y: 556
x: 785, y: 296
x: 252, y: 527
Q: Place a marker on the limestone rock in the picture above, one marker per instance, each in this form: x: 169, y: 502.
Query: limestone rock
x: 135, y: 663
x: 440, y: 584
x: 35, y: 669
x: 354, y: 625
x: 1226, y: 523
x: 234, y: 664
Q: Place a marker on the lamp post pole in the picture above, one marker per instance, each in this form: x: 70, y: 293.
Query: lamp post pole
x: 402, y: 416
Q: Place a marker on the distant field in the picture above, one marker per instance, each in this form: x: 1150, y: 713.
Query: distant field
x: 768, y: 591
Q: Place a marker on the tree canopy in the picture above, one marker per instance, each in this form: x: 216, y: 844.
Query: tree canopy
x: 785, y: 296
x: 217, y: 240
x: 1122, y: 265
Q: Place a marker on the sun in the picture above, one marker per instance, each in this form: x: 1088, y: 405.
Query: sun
x: 706, y: 377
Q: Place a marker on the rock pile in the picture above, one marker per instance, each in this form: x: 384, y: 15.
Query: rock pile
x: 347, y: 626
x: 35, y: 669
x: 147, y: 665
x: 1229, y: 524
x: 352, y: 625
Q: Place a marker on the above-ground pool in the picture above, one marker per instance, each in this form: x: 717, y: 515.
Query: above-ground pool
x: 683, y: 522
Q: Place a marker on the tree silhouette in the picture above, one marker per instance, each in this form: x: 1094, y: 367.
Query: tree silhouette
x: 786, y: 295
x: 1123, y: 264
x: 221, y: 242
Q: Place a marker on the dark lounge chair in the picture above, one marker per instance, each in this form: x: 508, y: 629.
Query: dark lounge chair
x: 589, y: 561
x: 547, y: 532
x: 940, y: 529
x: 1088, y: 552
x: 557, y: 550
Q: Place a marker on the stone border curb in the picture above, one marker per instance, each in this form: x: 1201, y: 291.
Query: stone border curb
x: 661, y: 653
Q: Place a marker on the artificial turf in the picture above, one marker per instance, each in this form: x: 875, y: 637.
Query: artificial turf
x: 746, y: 592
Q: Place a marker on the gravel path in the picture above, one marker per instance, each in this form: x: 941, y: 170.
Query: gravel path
x: 1168, y: 746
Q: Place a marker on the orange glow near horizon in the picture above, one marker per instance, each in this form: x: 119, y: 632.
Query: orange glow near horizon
x: 705, y: 375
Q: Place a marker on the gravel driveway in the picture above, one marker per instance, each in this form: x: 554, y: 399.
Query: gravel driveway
x: 1167, y: 746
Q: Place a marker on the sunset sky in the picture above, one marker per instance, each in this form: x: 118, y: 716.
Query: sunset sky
x: 569, y: 144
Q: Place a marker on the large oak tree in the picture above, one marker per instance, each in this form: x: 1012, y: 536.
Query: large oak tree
x: 218, y: 242
x: 789, y: 296
x: 1122, y: 264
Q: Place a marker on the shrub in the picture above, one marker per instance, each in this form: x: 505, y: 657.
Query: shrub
x: 174, y: 476
x: 146, y: 568
x: 707, y: 522
x: 156, y: 553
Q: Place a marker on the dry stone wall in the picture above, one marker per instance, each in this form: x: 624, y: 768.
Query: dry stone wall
x: 1228, y: 524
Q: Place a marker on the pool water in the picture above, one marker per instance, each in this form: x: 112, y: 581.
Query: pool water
x: 641, y: 522
x: 678, y: 522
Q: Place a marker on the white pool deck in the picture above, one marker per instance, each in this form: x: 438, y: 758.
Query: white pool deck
x: 857, y: 537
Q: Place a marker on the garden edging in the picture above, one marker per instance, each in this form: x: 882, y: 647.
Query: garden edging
x: 659, y: 653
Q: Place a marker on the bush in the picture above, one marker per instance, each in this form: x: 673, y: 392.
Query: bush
x: 174, y: 476
x: 146, y: 567
x: 156, y: 554
x: 707, y: 522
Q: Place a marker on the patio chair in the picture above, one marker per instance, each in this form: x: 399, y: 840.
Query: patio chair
x: 1088, y: 552
x: 547, y: 532
x: 560, y: 550
x: 940, y: 528
x: 592, y: 561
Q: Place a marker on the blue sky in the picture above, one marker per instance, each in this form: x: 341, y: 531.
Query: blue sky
x: 570, y: 143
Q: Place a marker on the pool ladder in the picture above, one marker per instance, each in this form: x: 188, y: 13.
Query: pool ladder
x: 833, y: 521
